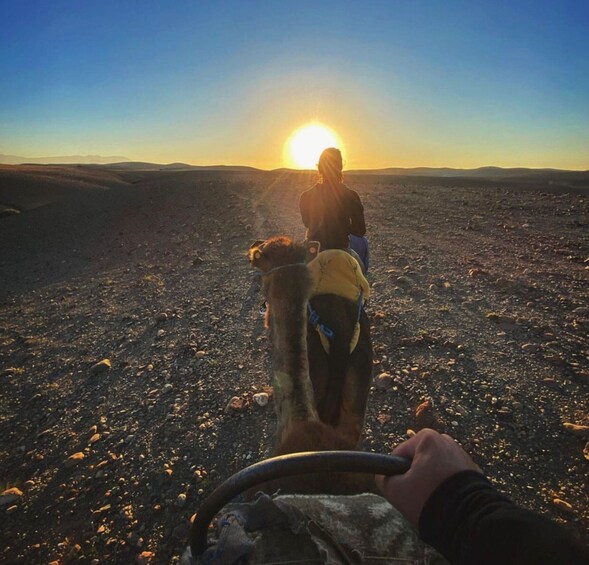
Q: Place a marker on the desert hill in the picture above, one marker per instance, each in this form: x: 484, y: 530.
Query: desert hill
x: 480, y: 305
x: 60, y: 160
x: 518, y: 174
x: 144, y: 166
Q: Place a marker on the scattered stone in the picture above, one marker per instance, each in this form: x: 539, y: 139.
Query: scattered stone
x: 577, y: 430
x: 415, y: 340
x: 404, y: 282
x: 424, y: 415
x: 552, y: 383
x: 235, y: 403
x: 145, y: 558
x: 384, y: 418
x: 161, y: 318
x: 476, y: 272
x: 181, y: 500
x: 581, y: 311
x: 74, y: 459
x: 384, y: 381
x: 100, y: 367
x: 9, y: 496
x: 167, y: 388
x: 461, y: 410
x: 261, y: 398
x: 563, y: 505
x: 504, y: 321
x: 5, y: 212
x: 530, y: 347
x: 198, y: 260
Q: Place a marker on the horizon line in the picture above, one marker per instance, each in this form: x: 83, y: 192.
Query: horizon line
x: 294, y: 169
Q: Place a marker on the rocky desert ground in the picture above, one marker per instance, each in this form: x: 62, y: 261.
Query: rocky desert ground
x: 480, y: 315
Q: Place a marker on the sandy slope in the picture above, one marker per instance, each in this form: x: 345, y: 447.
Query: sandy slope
x: 480, y: 303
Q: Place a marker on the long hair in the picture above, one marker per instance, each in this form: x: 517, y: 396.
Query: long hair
x: 330, y: 166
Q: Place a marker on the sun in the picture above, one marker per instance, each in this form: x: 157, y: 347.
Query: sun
x: 303, y: 148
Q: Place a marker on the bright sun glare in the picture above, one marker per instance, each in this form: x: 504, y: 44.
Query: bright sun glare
x: 303, y: 147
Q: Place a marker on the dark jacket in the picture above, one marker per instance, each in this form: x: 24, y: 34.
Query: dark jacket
x: 331, y: 213
x: 470, y: 523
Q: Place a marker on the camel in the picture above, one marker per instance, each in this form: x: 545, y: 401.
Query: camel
x: 320, y: 398
x: 321, y: 528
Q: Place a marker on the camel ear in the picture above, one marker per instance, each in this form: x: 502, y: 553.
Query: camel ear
x: 313, y: 248
x: 257, y: 243
x: 255, y: 252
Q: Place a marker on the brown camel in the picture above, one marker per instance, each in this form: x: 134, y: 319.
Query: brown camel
x: 302, y: 426
x: 320, y: 529
x: 340, y: 379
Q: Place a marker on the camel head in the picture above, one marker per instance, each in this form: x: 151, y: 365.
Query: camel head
x: 280, y: 251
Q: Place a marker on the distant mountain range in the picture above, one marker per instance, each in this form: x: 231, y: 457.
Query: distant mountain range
x: 144, y: 166
x: 62, y: 160
x: 480, y: 172
x: 122, y: 163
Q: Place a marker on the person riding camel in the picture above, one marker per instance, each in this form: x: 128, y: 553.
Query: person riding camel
x: 333, y: 213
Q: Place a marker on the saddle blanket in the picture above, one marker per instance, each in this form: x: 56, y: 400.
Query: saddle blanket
x: 335, y: 271
x: 315, y: 530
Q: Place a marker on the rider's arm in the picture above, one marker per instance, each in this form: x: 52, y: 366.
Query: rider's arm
x: 469, y: 522
x: 461, y: 514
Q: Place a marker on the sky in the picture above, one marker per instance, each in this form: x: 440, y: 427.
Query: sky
x: 403, y: 83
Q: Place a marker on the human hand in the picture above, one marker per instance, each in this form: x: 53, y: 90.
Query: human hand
x: 436, y: 457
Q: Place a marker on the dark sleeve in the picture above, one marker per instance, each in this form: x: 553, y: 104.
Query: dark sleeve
x: 356, y: 212
x: 304, y: 208
x: 470, y: 523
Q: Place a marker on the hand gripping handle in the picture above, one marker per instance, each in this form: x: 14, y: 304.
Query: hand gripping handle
x: 285, y: 466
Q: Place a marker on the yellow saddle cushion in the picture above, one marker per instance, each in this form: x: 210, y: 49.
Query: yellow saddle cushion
x: 336, y: 272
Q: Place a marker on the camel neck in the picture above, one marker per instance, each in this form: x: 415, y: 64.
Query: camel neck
x: 293, y: 392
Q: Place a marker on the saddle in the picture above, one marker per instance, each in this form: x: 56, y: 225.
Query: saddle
x: 315, y: 529
x: 336, y: 271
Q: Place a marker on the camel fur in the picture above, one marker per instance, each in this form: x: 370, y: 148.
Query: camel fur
x: 320, y: 399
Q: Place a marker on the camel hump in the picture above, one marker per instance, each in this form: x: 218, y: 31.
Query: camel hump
x: 335, y: 271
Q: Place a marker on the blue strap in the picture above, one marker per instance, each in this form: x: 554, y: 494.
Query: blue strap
x: 316, y: 323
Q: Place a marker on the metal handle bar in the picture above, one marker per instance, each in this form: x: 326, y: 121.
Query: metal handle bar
x: 285, y: 466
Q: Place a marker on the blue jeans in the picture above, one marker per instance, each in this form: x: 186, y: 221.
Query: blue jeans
x: 359, y: 248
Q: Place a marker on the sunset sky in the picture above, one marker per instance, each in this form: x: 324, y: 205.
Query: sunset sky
x: 403, y: 83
